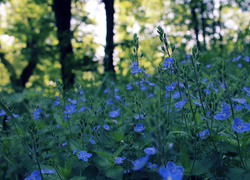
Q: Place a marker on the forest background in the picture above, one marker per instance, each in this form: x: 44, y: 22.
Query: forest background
x: 42, y: 41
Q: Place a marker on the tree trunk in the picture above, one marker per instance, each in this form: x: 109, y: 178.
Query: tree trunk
x: 109, y: 48
x: 204, y: 25
x: 62, y: 9
x: 195, y: 22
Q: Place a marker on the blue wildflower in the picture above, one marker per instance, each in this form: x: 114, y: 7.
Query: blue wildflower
x: 35, y: 175
x: 105, y: 126
x: 207, y: 91
x: 139, y: 163
x: 129, y: 87
x: 74, y: 152
x: 57, y: 102
x: 239, y: 126
x: 96, y: 128
x: 64, y: 144
x: 168, y: 62
x: 176, y: 95
x: 70, y: 109
x: 150, y: 150
x: 84, y: 155
x: 66, y: 117
x: 197, y: 103
x: 2, y: 112
x: 49, y: 171
x: 171, y: 87
x: 109, y: 102
x: 240, y: 65
x: 119, y: 160
x: 171, y: 171
x: 36, y: 113
x: 92, y: 141
x: 106, y: 90
x: 72, y: 101
x: 241, y: 101
x: 83, y: 109
x: 136, y: 69
x: 114, y: 114
x: 224, y: 114
x: 205, y: 79
x: 204, y: 134
x: 247, y: 58
x: 209, y: 65
x: 180, y: 104
x: 152, y: 166
x: 139, y: 128
x: 141, y: 116
x: 238, y: 107
x: 237, y: 58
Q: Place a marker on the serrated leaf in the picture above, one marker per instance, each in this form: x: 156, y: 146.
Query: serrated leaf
x: 119, y: 150
x: 203, y: 166
x: 91, y: 171
x: 118, y: 136
x: 106, y: 155
x: 115, y: 172
x: 102, y: 161
x: 236, y: 173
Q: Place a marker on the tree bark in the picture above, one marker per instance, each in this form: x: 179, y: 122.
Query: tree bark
x: 195, y: 22
x: 109, y: 48
x: 62, y: 9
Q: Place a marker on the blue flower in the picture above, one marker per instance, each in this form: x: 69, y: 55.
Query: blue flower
x: 205, y: 80
x: 241, y: 101
x: 207, y: 91
x: 83, y: 109
x: 84, y: 155
x: 168, y: 62
x: 72, y: 101
x: 114, y: 114
x: 2, y: 112
x: 224, y: 114
x: 150, y: 150
x: 50, y: 171
x: 237, y: 58
x: 152, y: 166
x: 171, y: 171
x: 119, y: 160
x: 136, y: 69
x: 180, y: 104
x: 247, y: 58
x: 171, y: 87
x: 176, y: 95
x: 105, y: 126
x: 139, y: 163
x: 74, y: 152
x: 92, y: 141
x: 239, y: 126
x: 35, y: 175
x: 141, y: 115
x: 70, y: 109
x: 139, y: 128
x: 57, y: 102
x: 197, y: 103
x: 64, y: 144
x: 238, y: 107
x: 134, y: 64
x: 204, y: 134
x: 240, y: 65
x: 36, y: 113
x: 209, y: 65
x: 66, y: 117
x: 129, y: 87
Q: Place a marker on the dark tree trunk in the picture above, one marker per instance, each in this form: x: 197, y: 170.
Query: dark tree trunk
x: 62, y: 9
x: 204, y: 24
x: 195, y: 22
x: 109, y: 48
x: 220, y: 25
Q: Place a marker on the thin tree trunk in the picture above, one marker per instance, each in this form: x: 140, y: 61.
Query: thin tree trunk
x: 203, y: 20
x: 109, y: 48
x: 195, y: 22
x: 62, y: 9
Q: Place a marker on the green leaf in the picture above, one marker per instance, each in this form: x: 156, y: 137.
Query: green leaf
x: 119, y: 150
x: 203, y: 166
x: 185, y: 160
x: 236, y: 173
x: 118, y: 136
x: 102, y: 161
x: 181, y: 132
x: 115, y: 172
x: 91, y: 171
x: 78, y: 178
x: 106, y: 155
